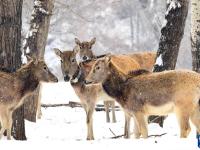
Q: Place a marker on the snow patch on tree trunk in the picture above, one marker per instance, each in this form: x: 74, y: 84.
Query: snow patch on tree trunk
x: 173, y: 4
x: 36, y: 18
x: 159, y: 61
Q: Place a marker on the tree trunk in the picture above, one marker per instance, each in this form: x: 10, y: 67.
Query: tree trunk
x: 35, y: 43
x: 10, y: 53
x: 195, y: 35
x: 132, y: 31
x: 171, y: 36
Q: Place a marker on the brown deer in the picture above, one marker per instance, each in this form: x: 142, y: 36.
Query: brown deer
x: 146, y: 60
x: 16, y: 86
x: 142, y: 93
x: 89, y: 95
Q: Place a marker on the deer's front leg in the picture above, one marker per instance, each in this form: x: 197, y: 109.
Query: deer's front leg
x: 89, y: 109
x: 141, y: 122
x: 127, y: 126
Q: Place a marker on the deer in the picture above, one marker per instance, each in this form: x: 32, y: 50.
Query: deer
x: 85, y: 52
x: 142, y: 93
x: 16, y: 86
x: 88, y: 95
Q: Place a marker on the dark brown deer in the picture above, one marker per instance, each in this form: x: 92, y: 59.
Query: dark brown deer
x: 141, y: 94
x: 15, y: 87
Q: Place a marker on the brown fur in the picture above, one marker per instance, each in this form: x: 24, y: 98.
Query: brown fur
x: 152, y: 94
x: 18, y: 85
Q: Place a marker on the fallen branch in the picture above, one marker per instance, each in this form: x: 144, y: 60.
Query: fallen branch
x: 70, y: 104
x: 157, y: 135
x: 154, y: 135
x: 99, y: 107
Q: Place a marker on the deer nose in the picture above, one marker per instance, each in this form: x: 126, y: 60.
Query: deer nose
x: 66, y: 78
x: 84, y: 57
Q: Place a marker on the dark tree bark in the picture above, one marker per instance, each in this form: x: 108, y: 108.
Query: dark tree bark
x: 10, y: 53
x: 171, y: 36
x: 34, y: 44
x: 195, y: 35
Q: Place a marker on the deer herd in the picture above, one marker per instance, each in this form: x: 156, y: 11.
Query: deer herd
x: 125, y: 78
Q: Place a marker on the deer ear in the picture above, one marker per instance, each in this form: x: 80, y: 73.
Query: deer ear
x: 77, y: 41
x: 107, y: 59
x: 92, y: 41
x: 58, y: 52
x: 29, y: 58
x: 35, y: 59
x: 76, y: 49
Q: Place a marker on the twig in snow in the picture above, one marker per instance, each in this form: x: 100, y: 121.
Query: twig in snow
x: 154, y: 135
x: 112, y: 132
x: 157, y: 135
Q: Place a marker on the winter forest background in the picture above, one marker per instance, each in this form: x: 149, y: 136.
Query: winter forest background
x: 120, y: 26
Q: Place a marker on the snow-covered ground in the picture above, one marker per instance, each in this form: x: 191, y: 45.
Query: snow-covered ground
x: 65, y: 128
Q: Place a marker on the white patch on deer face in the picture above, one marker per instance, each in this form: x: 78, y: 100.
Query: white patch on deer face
x: 78, y: 58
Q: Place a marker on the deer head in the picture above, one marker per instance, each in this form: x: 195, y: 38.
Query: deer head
x: 69, y: 64
x: 84, y: 50
x: 39, y: 69
x: 100, y: 71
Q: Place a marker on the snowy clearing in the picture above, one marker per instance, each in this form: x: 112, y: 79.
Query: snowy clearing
x: 65, y: 128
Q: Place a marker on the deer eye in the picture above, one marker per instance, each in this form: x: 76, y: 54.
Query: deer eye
x: 97, y: 68
x: 45, y: 68
x: 73, y: 60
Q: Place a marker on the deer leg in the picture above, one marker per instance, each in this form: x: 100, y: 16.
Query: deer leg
x: 9, y: 125
x: 106, y: 105
x: 3, y: 126
x: 183, y: 119
x: 141, y: 123
x: 89, y: 109
x: 195, y: 118
x: 39, y: 111
x: 112, y: 103
x: 127, y: 126
x: 136, y: 129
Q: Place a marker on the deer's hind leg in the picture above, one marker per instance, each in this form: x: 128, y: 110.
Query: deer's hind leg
x: 183, y: 119
x: 106, y: 105
x: 195, y: 118
x: 112, y: 103
x: 3, y: 125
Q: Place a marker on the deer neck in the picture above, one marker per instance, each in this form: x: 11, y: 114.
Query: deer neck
x: 78, y: 77
x: 28, y: 80
x: 114, y: 84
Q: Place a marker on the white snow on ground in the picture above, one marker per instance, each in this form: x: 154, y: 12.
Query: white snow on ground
x: 64, y: 128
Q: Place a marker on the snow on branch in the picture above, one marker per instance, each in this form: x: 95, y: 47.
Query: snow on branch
x: 173, y: 4
x: 39, y: 8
